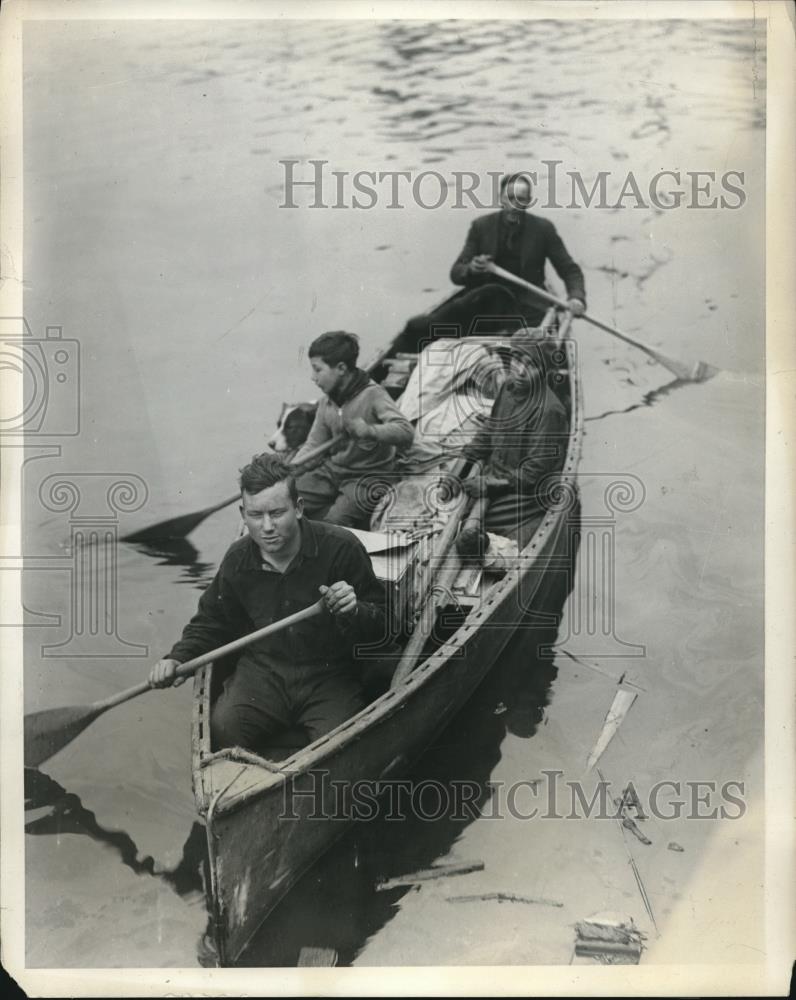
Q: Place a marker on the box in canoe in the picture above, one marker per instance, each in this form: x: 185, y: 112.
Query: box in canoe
x: 270, y: 816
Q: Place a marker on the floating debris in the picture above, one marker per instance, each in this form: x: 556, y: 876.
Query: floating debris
x: 612, y: 939
x: 630, y: 824
x: 438, y: 871
x: 636, y: 873
x: 673, y: 846
x: 324, y: 957
x: 616, y: 714
x: 503, y: 897
x: 609, y: 952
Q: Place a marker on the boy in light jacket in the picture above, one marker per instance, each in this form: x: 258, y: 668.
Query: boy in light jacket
x: 345, y: 488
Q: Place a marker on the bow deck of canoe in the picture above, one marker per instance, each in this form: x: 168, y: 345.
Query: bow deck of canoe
x: 262, y: 811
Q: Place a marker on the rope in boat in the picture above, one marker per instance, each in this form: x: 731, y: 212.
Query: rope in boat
x: 240, y: 756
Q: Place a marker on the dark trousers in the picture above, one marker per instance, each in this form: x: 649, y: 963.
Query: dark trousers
x: 485, y: 310
x: 258, y: 703
x: 329, y: 497
x: 507, y: 517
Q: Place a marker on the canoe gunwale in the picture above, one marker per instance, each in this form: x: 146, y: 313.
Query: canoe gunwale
x: 273, y: 775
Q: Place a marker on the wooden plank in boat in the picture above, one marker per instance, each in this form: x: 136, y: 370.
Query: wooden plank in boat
x: 381, y: 541
x: 324, y: 957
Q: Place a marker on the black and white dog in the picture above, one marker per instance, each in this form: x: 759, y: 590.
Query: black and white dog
x: 292, y: 428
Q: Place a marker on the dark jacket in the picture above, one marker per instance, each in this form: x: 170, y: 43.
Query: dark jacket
x: 539, y: 242
x: 245, y: 595
x: 524, y: 440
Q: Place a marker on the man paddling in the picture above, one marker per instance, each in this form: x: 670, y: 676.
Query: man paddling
x: 520, y: 243
x: 303, y: 676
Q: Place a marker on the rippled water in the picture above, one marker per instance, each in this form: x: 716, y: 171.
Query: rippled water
x: 153, y: 236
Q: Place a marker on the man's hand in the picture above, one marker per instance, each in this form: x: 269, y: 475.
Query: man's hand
x: 340, y: 598
x: 475, y: 486
x: 478, y: 265
x: 495, y: 486
x: 484, y: 486
x: 162, y: 675
x: 576, y: 307
x: 360, y: 429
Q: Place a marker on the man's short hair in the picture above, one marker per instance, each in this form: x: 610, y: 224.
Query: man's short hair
x: 265, y: 471
x: 510, y: 178
x: 334, y: 347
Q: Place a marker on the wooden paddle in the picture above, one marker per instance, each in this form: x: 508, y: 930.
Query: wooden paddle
x: 49, y: 731
x: 471, y: 530
x: 700, y: 371
x: 184, y: 524
x: 441, y: 581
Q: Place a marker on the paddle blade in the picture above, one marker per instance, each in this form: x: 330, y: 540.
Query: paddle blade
x: 699, y: 371
x: 703, y: 371
x: 49, y: 731
x: 683, y: 371
x: 176, y: 527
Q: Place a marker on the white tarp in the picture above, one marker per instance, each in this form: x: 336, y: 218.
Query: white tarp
x: 449, y: 394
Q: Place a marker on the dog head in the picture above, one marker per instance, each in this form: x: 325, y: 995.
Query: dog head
x: 292, y: 427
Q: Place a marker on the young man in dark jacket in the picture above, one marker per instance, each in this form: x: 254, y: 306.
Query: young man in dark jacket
x: 346, y: 487
x: 304, y: 676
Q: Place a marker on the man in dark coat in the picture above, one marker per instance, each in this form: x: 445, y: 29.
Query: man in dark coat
x: 304, y: 676
x: 516, y: 241
x: 523, y: 442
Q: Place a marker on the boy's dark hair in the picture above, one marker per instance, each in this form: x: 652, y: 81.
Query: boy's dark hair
x: 334, y: 347
x: 264, y: 471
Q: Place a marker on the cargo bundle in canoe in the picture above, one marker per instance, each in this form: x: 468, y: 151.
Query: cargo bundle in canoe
x: 257, y: 807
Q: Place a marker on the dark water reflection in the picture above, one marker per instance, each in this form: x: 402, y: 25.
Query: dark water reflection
x: 181, y: 553
x: 227, y: 308
x: 336, y: 905
x: 648, y: 399
x: 60, y: 812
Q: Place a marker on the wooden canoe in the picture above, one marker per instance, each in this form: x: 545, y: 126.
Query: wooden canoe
x: 262, y: 815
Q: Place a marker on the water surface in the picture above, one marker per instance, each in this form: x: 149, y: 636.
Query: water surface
x: 153, y: 237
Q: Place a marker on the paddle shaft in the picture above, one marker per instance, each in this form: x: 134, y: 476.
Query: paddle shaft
x: 442, y: 581
x: 475, y: 519
x: 563, y: 304
x: 311, y: 456
x: 191, y: 666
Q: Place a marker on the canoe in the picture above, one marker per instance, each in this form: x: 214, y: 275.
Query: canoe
x: 269, y: 817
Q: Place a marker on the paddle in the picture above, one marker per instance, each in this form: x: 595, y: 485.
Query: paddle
x: 184, y: 524
x: 441, y: 582
x: 698, y: 372
x: 471, y: 531
x: 49, y: 731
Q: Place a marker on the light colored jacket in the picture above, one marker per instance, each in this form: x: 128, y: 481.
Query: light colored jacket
x: 393, y: 432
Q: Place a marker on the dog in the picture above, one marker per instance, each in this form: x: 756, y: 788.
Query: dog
x: 292, y: 428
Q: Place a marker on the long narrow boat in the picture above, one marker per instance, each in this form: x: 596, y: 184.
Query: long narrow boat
x: 263, y: 813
